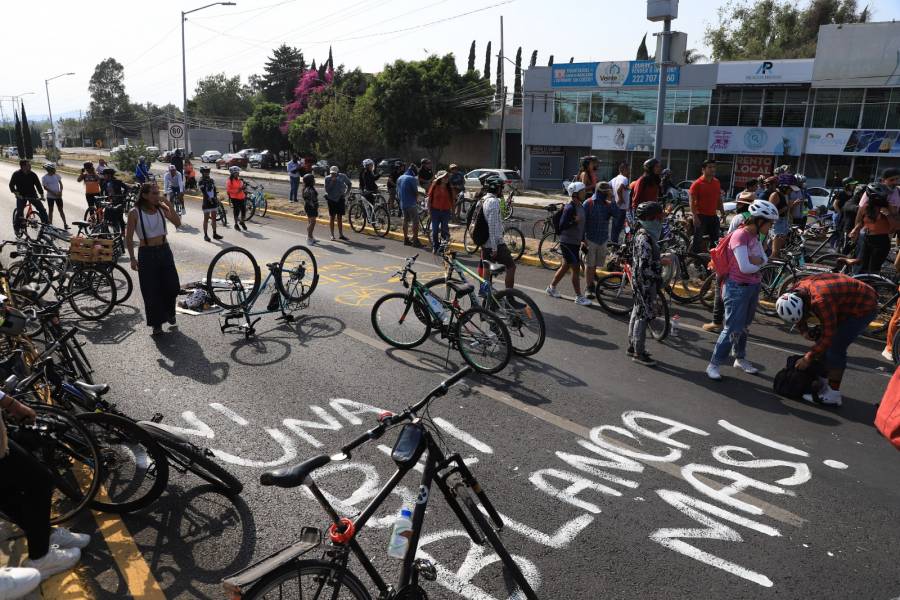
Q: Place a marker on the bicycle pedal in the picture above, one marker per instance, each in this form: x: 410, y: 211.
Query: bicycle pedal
x: 426, y: 569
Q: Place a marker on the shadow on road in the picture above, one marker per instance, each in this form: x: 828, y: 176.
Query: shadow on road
x: 183, y: 356
x: 115, y: 328
x: 580, y: 333
x: 273, y: 345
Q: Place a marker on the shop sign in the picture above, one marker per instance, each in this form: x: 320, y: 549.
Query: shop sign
x: 750, y: 167
x: 546, y: 150
x: 778, y: 141
x: 611, y: 74
x: 765, y: 71
x: 858, y: 142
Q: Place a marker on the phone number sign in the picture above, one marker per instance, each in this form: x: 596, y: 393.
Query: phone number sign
x: 611, y: 74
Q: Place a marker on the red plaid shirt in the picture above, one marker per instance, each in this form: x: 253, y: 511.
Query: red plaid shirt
x: 833, y: 297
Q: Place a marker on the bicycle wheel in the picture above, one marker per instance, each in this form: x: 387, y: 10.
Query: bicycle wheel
x: 483, y: 340
x: 549, y: 253
x: 251, y: 207
x: 263, y: 207
x: 468, y: 242
x: 770, y: 283
x: 123, y: 282
x: 356, y: 214
x: 222, y: 214
x: 659, y: 326
x: 708, y: 292
x: 438, y: 287
x: 615, y: 295
x: 693, y: 269
x: 135, y: 469
x: 381, y: 221
x: 523, y: 319
x: 232, y: 278
x: 33, y: 227
x: 25, y: 273
x: 298, y: 274
x: 92, y: 293
x: 515, y: 241
x: 392, y: 321
x: 301, y: 579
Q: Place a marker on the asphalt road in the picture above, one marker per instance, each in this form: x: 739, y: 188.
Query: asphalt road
x: 610, y: 474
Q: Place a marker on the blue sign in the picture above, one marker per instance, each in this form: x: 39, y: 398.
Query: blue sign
x: 611, y: 74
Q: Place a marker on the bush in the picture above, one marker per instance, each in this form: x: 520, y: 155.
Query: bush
x: 52, y: 154
x: 127, y: 159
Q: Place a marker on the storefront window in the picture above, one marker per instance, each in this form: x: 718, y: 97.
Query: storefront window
x: 695, y: 161
x: 875, y: 109
x: 751, y: 99
x: 795, y: 107
x: 773, y: 108
x: 597, y: 107
x: 724, y: 167
x: 631, y: 107
x: 678, y: 162
x: 584, y: 108
x: 893, y: 116
x: 849, y: 108
x: 564, y: 107
x: 838, y: 168
x: 699, y: 107
x: 815, y: 167
x: 864, y: 168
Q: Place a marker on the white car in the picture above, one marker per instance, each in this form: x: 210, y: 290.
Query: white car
x: 511, y: 179
x: 820, y: 197
x: 152, y: 150
x: 210, y: 156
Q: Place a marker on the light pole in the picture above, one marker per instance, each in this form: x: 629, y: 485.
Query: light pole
x: 50, y: 110
x: 665, y: 11
x: 184, y: 110
x: 12, y: 98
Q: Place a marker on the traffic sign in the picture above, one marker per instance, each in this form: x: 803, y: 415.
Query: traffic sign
x: 176, y: 131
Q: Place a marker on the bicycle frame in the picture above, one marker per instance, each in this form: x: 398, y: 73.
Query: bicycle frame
x: 246, y: 312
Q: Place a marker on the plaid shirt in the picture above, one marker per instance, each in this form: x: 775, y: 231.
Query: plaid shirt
x: 833, y: 297
x: 490, y: 206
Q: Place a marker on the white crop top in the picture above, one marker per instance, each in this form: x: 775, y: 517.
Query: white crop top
x: 150, y: 226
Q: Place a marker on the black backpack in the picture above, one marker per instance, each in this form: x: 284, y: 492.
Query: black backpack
x: 792, y: 383
x: 556, y: 221
x: 480, y: 231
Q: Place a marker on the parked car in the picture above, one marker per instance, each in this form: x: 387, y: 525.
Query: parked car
x: 152, y: 150
x: 232, y: 160
x: 820, y: 197
x: 511, y: 178
x: 320, y: 167
x: 11, y: 151
x: 383, y: 167
x: 262, y: 160
x: 210, y: 156
x: 246, y: 152
x: 166, y: 156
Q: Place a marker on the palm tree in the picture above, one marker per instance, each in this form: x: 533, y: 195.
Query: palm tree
x: 692, y: 56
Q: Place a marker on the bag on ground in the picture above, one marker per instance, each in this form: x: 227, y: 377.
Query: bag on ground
x: 793, y: 383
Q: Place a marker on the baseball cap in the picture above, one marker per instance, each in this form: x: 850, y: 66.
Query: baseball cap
x: 574, y: 188
x: 333, y: 169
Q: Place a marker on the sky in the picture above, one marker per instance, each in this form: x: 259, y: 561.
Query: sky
x: 363, y: 33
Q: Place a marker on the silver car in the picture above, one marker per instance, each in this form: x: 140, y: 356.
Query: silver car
x: 210, y: 156
x: 511, y: 179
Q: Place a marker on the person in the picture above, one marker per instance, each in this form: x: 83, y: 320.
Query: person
x: 408, y: 195
x: 310, y: 206
x: 763, y: 190
x: 177, y: 161
x: 621, y: 194
x: 116, y: 191
x: 495, y: 248
x: 706, y: 203
x: 91, y: 184
x: 210, y: 206
x: 571, y: 236
x: 190, y: 178
x: 646, y: 188
x: 587, y: 174
x: 599, y: 210
x: 26, y: 187
x: 173, y: 185
x: 740, y: 291
x: 874, y: 216
x: 237, y: 197
x: 425, y: 173
x: 155, y: 264
x: 781, y: 199
x: 440, y: 206
x: 646, y: 280
x: 893, y: 325
x: 844, y: 307
x: 457, y: 187
x: 394, y: 174
x: 293, y: 169
x: 336, y: 187
x: 368, y: 180
x: 142, y: 171
x: 53, y: 185
x: 101, y: 166
x: 802, y: 202
x: 842, y: 198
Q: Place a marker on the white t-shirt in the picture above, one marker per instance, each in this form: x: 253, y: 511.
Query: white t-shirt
x: 53, y: 185
x: 617, y: 182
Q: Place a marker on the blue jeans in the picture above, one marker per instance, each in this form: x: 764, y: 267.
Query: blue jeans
x: 295, y: 185
x: 618, y: 224
x: 440, y: 227
x: 847, y: 331
x: 740, y: 306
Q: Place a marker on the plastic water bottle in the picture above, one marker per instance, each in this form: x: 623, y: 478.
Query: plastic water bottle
x: 676, y: 320
x: 437, y: 308
x: 400, y: 542
x: 484, y: 289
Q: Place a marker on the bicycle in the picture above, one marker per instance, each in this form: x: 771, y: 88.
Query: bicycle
x: 256, y: 200
x: 362, y: 212
x: 479, y: 335
x: 287, y: 571
x: 616, y: 296
x: 233, y: 281
x: 29, y: 225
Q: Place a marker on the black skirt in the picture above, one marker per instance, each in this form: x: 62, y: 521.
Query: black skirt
x: 159, y: 283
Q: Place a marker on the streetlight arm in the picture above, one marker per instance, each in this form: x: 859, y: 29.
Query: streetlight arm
x: 58, y: 76
x: 187, y: 12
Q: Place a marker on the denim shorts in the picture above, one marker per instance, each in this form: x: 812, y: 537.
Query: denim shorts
x: 782, y: 226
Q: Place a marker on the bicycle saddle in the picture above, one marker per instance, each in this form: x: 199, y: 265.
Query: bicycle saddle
x: 272, y: 265
x: 552, y: 208
x: 98, y: 389
x: 288, y: 477
x: 81, y: 224
x: 496, y: 268
x: 461, y: 289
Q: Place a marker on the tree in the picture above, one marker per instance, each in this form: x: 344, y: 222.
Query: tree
x: 571, y: 60
x: 280, y: 74
x: 471, y: 66
x: 487, y: 62
x: 351, y: 83
x: 550, y: 61
x: 303, y: 132
x: 330, y: 62
x: 693, y: 56
x: 642, y: 53
x: 306, y: 88
x: 499, y: 90
x: 20, y: 141
x: 517, y: 82
x: 263, y: 128
x: 775, y: 28
x: 26, y: 135
x: 347, y: 130
x: 533, y: 62
x: 109, y: 102
x: 221, y: 96
x: 313, y: 65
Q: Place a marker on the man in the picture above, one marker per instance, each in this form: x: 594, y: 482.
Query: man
x: 408, y: 195
x: 425, y: 173
x: 173, y: 186
x: 495, y: 249
x: 26, y: 186
x: 706, y: 202
x: 293, y: 169
x: 142, y: 171
x: 336, y: 187
x: 178, y: 162
x: 53, y: 185
x: 621, y: 195
x: 440, y: 205
x: 116, y: 190
x: 599, y: 210
x: 844, y: 307
x: 571, y: 235
x: 646, y: 280
x: 397, y: 169
x: 781, y: 199
x: 457, y: 186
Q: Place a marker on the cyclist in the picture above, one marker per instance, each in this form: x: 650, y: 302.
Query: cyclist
x: 368, y: 180
x: 53, y: 185
x: 116, y: 190
x: 425, y: 173
x: 801, y: 202
x: 440, y: 205
x: 142, y: 171
x: 336, y: 187
x: 210, y: 202
x: 173, y: 186
x: 457, y: 187
x: 740, y: 291
x: 310, y: 206
x: 571, y: 235
x: 26, y: 186
x: 234, y: 187
x: 599, y: 210
x: 408, y: 195
x: 91, y: 184
x: 706, y: 204
x: 841, y: 198
x: 844, y: 307
x: 879, y: 221
x: 646, y: 280
x: 780, y: 198
x: 621, y: 192
x: 495, y: 249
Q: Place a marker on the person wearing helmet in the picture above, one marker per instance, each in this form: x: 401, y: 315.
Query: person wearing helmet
x: 571, y: 238
x: 210, y: 206
x: 237, y: 197
x: 647, y: 187
x: 599, y: 210
x: 842, y: 197
x: 52, y: 184
x: 91, y: 181
x: 368, y: 179
x: 781, y: 198
x: 310, y: 206
x: 706, y: 204
x: 879, y: 220
x: 142, y: 171
x: 801, y: 202
x: 337, y: 185
x: 408, y: 197
x: 173, y: 187
x: 178, y: 161
x: 844, y: 307
x: 495, y: 248
x: 646, y: 278
x: 740, y: 292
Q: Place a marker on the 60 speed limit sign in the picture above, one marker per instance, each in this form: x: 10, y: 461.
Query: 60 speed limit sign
x: 176, y: 131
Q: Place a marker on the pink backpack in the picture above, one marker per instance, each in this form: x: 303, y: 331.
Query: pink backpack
x: 720, y: 257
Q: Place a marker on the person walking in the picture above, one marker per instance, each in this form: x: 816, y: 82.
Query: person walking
x: 310, y: 206
x: 646, y: 280
x: 599, y: 211
x: 571, y: 236
x: 495, y: 248
x: 440, y: 206
x: 91, y: 181
x: 706, y: 204
x: 210, y: 206
x: 337, y: 185
x: 397, y: 169
x: 408, y: 195
x: 157, y: 275
x: 746, y: 256
x: 142, y: 171
x: 52, y: 184
x: 26, y: 187
x: 293, y: 169
x: 177, y: 160
x: 622, y: 196
x: 237, y: 197
x: 173, y: 185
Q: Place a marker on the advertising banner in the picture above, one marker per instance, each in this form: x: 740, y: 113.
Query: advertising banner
x: 859, y: 142
x: 623, y: 137
x: 777, y: 141
x: 765, y: 71
x: 611, y: 74
x: 750, y: 167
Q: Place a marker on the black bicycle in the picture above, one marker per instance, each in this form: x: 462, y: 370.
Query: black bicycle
x: 286, y: 574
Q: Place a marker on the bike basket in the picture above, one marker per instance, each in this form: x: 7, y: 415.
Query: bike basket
x: 91, y: 250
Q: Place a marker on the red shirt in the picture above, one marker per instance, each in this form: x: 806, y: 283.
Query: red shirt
x: 833, y: 297
x: 707, y: 195
x: 440, y: 196
x: 644, y: 192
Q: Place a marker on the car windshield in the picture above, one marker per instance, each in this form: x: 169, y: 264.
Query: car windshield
x: 512, y: 175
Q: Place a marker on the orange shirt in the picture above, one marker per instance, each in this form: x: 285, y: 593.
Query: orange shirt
x: 440, y: 197
x: 707, y: 194
x: 235, y: 188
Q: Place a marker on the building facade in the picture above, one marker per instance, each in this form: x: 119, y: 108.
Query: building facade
x: 831, y: 116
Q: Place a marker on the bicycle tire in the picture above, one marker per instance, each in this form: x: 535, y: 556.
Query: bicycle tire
x: 381, y: 223
x: 380, y: 315
x: 686, y: 283
x: 219, y: 278
x: 515, y: 241
x: 660, y: 326
x: 438, y: 287
x: 264, y: 206
x: 548, y: 251
x: 222, y: 214
x: 614, y: 294
x: 92, y: 282
x: 482, y: 338
x: 708, y: 292
x: 323, y: 573
x: 113, y: 430
x: 356, y: 214
x: 887, y: 299
x: 769, y: 288
x: 23, y: 273
x: 33, y: 227
x: 123, y: 290
x: 514, y: 321
x: 679, y: 212
x: 293, y: 280
x: 251, y: 207
x: 468, y: 243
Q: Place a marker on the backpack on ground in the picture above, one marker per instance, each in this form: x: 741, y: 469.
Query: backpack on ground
x: 887, y: 420
x: 720, y: 258
x: 480, y: 231
x: 793, y: 383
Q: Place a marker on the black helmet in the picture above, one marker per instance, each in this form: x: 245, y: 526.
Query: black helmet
x: 649, y: 164
x: 204, y: 169
x: 309, y: 180
x: 491, y: 182
x: 648, y: 210
x: 88, y: 165
x: 848, y: 181
x: 109, y: 171
x: 878, y: 193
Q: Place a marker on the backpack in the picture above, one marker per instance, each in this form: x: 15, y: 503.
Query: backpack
x: 197, y: 300
x: 556, y: 221
x: 480, y: 232
x: 793, y: 384
x: 887, y: 420
x: 720, y: 258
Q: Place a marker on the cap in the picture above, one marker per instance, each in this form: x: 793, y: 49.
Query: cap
x: 452, y: 166
x: 574, y: 187
x: 440, y: 175
x: 746, y: 197
x: 333, y: 170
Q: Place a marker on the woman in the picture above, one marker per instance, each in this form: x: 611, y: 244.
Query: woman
x: 91, y: 184
x: 155, y: 264
x: 210, y: 204
x: 440, y: 204
x: 874, y: 217
x: 588, y: 174
x: 237, y: 197
x: 310, y: 206
x: 741, y: 290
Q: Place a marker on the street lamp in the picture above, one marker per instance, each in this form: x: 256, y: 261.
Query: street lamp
x: 12, y: 98
x: 50, y: 110
x: 184, y: 110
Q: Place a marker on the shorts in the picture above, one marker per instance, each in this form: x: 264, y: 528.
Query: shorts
x: 504, y: 257
x: 211, y: 211
x: 91, y: 199
x: 571, y: 253
x: 337, y: 208
x: 595, y: 256
x: 410, y: 213
x: 782, y: 226
x: 311, y: 210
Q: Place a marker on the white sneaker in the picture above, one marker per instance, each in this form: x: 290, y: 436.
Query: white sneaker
x: 745, y: 365
x: 310, y: 241
x: 551, y: 291
x: 57, y: 560
x: 62, y: 537
x: 582, y: 301
x: 712, y: 371
x: 888, y: 356
x: 16, y: 582
x: 831, y: 397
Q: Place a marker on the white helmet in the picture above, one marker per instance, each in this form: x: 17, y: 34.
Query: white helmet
x: 800, y: 178
x: 574, y: 187
x: 234, y: 169
x: 764, y: 209
x: 790, y: 307
x: 368, y: 162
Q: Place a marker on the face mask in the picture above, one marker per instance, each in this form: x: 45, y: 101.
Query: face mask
x: 654, y: 228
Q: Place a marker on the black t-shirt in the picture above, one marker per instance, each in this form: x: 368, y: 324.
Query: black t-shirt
x: 841, y: 198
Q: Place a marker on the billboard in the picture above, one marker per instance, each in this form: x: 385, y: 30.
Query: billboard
x: 750, y: 167
x: 765, y: 71
x: 859, y: 142
x: 611, y: 74
x: 623, y: 137
x: 776, y: 141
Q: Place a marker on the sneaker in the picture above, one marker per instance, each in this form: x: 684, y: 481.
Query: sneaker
x: 343, y: 238
x: 712, y: 371
x: 630, y: 351
x: 243, y: 226
x: 552, y: 291
x: 712, y: 327
x: 158, y: 330
x: 582, y: 301
x: 746, y: 366
x: 406, y: 242
x: 62, y: 537
x: 888, y: 355
x: 16, y: 582
x: 237, y: 227
x: 206, y: 238
x: 216, y: 236
x: 171, y: 320
x: 416, y: 244
x: 644, y: 359
x: 831, y: 397
x: 57, y: 560
x: 310, y: 241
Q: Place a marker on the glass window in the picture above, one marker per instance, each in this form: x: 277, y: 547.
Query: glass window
x: 749, y: 116
x: 826, y: 96
x: 772, y: 115
x: 728, y: 114
x: 838, y: 168
x: 823, y: 114
x: 893, y: 115
x: 682, y: 107
x: 775, y: 96
x: 874, y: 115
x: 876, y: 95
x: 851, y: 96
x: 564, y: 107
x: 794, y: 115
x: 584, y: 108
x: 864, y: 168
x: 699, y: 107
x: 597, y: 107
x: 814, y: 168
x: 895, y: 95
x: 695, y: 160
x: 847, y: 116
x: 730, y: 96
x: 678, y: 162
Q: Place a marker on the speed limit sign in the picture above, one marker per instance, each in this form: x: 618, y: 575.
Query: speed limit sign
x: 176, y: 131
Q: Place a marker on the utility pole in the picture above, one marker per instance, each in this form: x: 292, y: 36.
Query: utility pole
x: 502, y: 101
x: 661, y: 98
